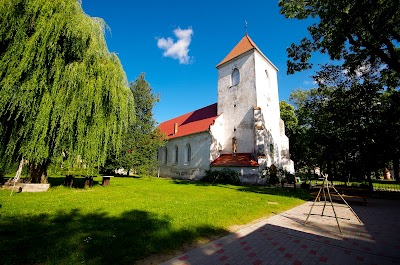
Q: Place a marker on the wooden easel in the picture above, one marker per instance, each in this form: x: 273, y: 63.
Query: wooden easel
x: 325, y: 187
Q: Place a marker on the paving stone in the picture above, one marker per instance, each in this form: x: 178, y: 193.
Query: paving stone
x: 284, y: 239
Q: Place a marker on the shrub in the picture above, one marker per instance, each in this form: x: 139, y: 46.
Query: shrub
x: 290, y: 178
x: 305, y: 186
x: 225, y: 176
x: 276, y: 175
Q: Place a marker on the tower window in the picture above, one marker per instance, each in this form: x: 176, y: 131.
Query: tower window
x: 166, y: 156
x: 235, y: 77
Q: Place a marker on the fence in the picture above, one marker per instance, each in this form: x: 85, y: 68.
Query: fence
x: 378, y: 185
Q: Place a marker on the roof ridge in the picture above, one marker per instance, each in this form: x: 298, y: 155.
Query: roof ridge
x: 244, y: 45
x: 192, y: 122
x: 190, y: 112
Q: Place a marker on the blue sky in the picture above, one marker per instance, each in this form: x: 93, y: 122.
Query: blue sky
x: 179, y: 43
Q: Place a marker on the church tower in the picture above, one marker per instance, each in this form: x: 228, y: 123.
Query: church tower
x: 249, y: 104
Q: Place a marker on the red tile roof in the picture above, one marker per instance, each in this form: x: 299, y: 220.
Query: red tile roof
x: 240, y: 160
x: 244, y: 45
x: 190, y: 123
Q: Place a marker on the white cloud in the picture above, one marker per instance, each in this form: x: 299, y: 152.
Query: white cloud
x: 180, y: 48
x: 308, y: 82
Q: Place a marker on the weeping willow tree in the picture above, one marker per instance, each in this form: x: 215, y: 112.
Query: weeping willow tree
x: 62, y: 93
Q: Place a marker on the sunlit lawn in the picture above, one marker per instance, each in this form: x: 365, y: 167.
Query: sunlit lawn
x: 126, y: 221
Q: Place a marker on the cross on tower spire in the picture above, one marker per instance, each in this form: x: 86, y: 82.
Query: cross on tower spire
x: 245, y: 25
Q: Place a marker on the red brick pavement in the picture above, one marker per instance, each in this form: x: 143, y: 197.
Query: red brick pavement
x: 284, y: 239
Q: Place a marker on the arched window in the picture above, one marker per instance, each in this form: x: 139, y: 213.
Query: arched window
x: 188, y: 154
x: 235, y: 77
x: 166, y: 156
x: 176, y: 155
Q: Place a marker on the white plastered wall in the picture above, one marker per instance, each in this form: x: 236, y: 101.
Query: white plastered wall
x: 200, y: 145
x: 236, y: 103
x: 268, y: 101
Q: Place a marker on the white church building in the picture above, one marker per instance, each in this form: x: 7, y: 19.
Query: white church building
x: 242, y: 131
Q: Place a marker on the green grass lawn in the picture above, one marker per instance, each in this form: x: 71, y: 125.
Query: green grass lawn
x: 126, y: 221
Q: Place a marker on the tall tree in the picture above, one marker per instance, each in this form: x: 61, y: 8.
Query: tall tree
x: 345, y: 121
x: 289, y: 117
x: 356, y: 31
x: 61, y: 90
x: 303, y: 149
x: 142, y: 140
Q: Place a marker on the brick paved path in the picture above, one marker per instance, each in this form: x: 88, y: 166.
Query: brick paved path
x: 284, y: 239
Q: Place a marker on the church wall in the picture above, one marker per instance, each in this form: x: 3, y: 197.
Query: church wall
x: 286, y: 162
x: 236, y: 103
x: 217, y: 135
x: 268, y: 101
x: 200, y: 144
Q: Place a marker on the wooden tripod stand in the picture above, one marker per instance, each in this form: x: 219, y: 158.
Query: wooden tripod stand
x: 325, y: 191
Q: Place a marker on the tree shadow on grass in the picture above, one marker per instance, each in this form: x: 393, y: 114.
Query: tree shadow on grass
x: 281, y: 191
x: 192, y: 182
x: 96, y: 238
x: 79, y: 182
x: 273, y: 190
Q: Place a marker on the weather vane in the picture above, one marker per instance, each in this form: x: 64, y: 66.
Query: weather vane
x: 245, y: 25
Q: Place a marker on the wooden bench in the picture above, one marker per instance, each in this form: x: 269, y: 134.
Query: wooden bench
x: 345, y: 192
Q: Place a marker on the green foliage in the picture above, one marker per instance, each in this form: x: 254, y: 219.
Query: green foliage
x: 290, y: 178
x: 142, y: 139
x: 61, y: 90
x: 224, y: 176
x: 276, y: 175
x: 289, y: 117
x: 349, y: 125
x: 346, y: 126
x: 357, y: 32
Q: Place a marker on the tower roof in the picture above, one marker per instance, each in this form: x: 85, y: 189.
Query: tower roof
x: 245, y: 44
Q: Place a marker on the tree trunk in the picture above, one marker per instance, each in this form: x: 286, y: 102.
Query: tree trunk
x: 1, y: 178
x: 396, y: 167
x: 38, y: 173
x: 88, y: 182
x: 69, y: 181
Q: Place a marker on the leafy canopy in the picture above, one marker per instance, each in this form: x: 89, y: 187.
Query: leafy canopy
x: 289, y: 117
x: 145, y: 137
x: 142, y: 139
x: 61, y: 90
x: 356, y: 31
x: 350, y: 122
